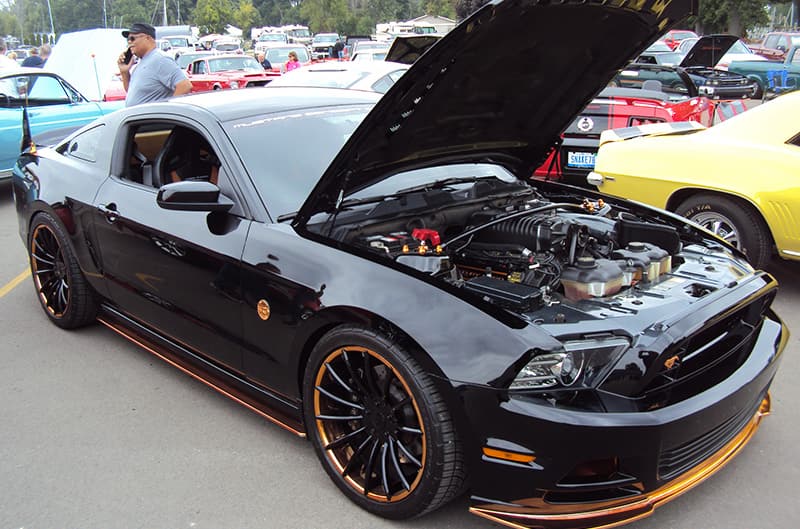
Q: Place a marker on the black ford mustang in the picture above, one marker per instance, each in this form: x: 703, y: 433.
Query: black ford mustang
x: 378, y: 275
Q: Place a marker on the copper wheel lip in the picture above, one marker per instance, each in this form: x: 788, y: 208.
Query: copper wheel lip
x: 323, y: 434
x: 35, y: 272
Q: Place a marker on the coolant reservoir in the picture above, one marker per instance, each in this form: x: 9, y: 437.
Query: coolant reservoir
x: 644, y: 256
x: 591, y: 278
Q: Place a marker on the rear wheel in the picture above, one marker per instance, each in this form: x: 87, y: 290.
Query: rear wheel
x: 379, y: 426
x: 734, y: 221
x: 63, y: 292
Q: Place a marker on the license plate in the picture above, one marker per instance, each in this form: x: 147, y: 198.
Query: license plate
x: 580, y: 159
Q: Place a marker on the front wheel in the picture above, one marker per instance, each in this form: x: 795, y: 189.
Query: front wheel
x: 379, y: 426
x: 734, y: 221
x: 63, y: 292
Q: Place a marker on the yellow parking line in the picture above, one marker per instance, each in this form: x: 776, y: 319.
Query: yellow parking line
x: 14, y: 282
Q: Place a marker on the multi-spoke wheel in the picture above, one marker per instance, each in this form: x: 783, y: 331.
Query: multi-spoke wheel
x: 734, y: 221
x: 379, y: 426
x: 62, y: 289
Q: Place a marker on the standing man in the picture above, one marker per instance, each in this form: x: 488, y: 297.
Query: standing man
x: 156, y: 76
x: 33, y: 60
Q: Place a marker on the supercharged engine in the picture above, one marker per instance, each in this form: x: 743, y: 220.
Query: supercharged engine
x: 525, y: 255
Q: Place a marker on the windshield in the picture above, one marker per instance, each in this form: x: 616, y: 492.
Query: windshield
x: 299, y: 33
x: 287, y: 153
x: 247, y: 64
x: 278, y: 55
x: 659, y: 46
x: 325, y: 38
x: 739, y: 47
x: 179, y: 42
x: 227, y: 47
x: 321, y: 78
x: 272, y: 37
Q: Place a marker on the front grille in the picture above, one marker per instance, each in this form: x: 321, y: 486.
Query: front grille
x: 679, y: 459
x: 714, y: 352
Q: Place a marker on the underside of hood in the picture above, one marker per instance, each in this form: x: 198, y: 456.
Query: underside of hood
x: 500, y: 87
x: 406, y: 49
x: 708, y: 50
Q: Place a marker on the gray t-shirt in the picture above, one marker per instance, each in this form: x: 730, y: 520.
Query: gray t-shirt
x: 154, y: 78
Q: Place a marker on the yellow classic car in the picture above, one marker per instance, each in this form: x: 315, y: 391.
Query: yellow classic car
x: 739, y: 179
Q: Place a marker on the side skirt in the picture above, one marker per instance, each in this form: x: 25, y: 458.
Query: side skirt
x: 271, y: 406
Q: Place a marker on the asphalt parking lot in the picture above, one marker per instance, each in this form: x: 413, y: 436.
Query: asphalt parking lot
x: 99, y: 434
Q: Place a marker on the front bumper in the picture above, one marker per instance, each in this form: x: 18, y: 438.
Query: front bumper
x: 728, y: 92
x: 648, y: 458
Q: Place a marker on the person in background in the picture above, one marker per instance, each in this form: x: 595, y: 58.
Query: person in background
x: 33, y: 60
x: 338, y: 50
x: 293, y: 63
x: 12, y: 55
x: 156, y: 76
x: 44, y: 52
x: 5, y: 62
x: 262, y: 59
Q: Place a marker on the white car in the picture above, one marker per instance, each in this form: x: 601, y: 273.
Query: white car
x: 375, y: 76
x: 270, y: 39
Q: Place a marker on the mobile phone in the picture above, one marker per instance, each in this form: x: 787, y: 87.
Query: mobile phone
x: 128, y: 55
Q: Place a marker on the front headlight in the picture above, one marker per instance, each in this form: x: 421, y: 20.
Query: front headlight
x: 582, y: 364
x: 234, y: 84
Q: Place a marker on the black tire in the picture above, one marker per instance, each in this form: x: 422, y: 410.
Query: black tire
x: 759, y: 93
x: 399, y: 456
x: 63, y: 292
x: 733, y: 220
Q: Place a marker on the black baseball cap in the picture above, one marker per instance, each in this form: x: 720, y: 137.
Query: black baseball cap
x: 140, y: 27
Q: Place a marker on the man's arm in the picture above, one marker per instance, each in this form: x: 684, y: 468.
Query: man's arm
x: 183, y: 87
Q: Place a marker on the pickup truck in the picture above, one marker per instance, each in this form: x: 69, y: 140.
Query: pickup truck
x: 759, y: 70
x: 775, y: 44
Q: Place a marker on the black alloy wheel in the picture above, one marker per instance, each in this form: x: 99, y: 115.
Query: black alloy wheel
x: 63, y: 292
x: 379, y: 426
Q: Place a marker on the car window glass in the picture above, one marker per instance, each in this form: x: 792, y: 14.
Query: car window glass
x: 383, y: 84
x: 45, y: 89
x: 84, y: 146
x: 771, y: 41
x: 287, y: 153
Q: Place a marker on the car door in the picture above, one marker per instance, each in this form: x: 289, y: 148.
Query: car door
x: 178, y: 271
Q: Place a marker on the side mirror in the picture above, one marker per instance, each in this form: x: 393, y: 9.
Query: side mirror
x: 192, y: 196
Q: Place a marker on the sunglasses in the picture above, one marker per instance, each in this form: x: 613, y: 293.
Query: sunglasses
x: 131, y: 38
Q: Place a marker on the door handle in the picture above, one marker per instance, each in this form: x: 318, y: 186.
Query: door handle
x: 109, y: 211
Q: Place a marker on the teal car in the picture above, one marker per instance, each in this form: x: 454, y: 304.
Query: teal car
x: 55, y: 109
x: 772, y: 76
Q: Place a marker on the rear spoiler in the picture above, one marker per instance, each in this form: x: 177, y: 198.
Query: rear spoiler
x: 653, y: 129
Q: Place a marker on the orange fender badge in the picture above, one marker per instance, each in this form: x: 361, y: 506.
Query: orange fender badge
x: 263, y: 309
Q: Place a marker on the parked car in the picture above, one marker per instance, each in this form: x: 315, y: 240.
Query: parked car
x: 219, y: 72
x: 737, y: 52
x: 659, y: 52
x: 699, y: 65
x: 674, y: 37
x: 772, y: 76
x: 375, y: 273
x: 278, y: 55
x: 184, y: 59
x: 226, y: 46
x: 322, y: 45
x: 372, y: 54
x: 54, y: 107
x: 738, y: 179
x: 268, y: 39
x: 776, y: 43
x: 574, y: 157
x: 376, y: 76
x: 180, y: 44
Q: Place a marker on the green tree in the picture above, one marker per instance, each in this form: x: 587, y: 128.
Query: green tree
x: 444, y: 8
x: 245, y: 16
x: 211, y: 16
x: 325, y: 15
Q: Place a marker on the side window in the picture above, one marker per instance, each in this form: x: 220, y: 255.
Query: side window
x: 45, y: 89
x: 383, y: 84
x: 84, y: 146
x: 771, y: 41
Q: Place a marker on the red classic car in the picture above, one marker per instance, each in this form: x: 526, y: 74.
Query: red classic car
x: 573, y: 158
x: 218, y: 72
x: 674, y: 37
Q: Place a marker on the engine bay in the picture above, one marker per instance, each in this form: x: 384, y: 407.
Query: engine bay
x: 521, y: 250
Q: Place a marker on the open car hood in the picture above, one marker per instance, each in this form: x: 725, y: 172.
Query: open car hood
x: 500, y: 87
x: 708, y: 51
x: 406, y: 49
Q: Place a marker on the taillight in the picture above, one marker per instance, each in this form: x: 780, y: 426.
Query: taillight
x: 636, y: 122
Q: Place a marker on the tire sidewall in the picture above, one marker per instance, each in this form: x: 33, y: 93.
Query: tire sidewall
x: 420, y: 498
